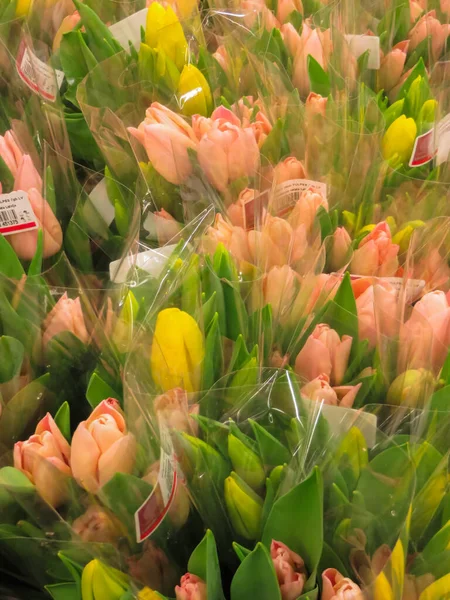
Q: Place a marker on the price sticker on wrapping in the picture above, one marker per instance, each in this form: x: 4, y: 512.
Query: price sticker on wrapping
x: 40, y: 77
x: 16, y: 213
x: 413, y: 287
x: 287, y: 193
x: 435, y: 143
x: 151, y: 513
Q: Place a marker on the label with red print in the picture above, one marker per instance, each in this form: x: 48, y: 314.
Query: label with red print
x: 40, y: 77
x: 254, y: 210
x: 16, y: 214
x: 424, y: 149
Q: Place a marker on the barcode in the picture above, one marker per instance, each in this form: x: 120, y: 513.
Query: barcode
x: 8, y: 217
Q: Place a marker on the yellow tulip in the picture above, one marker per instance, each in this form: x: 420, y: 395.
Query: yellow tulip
x: 164, y: 32
x: 398, y: 141
x: 193, y: 93
x: 22, y: 8
x: 100, y: 582
x: 382, y: 589
x: 178, y: 351
x: 148, y: 594
x: 403, y: 237
x: 438, y: 590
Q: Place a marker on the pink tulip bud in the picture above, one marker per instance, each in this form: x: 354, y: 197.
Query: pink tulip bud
x: 279, y: 289
x: 429, y: 25
x: 44, y: 458
x: 290, y: 37
x: 191, y: 588
x: 233, y: 238
x: 254, y: 8
x: 315, y: 105
x: 319, y: 390
x: 27, y: 176
x: 392, y: 66
x: 337, y: 587
x: 288, y: 169
x: 102, y: 447
x: 305, y: 210
x: 285, y: 7
x: 66, y: 315
x: 97, y: 525
x: 67, y: 24
x: 339, y: 255
x: 433, y: 269
x: 10, y: 152
x: 376, y: 254
x: 162, y: 227
x: 324, y: 352
x: 415, y: 10
x: 290, y: 570
x: 222, y: 57
x: 377, y: 309
x: 318, y: 45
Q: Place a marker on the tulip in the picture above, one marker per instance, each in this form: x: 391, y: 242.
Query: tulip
x: 377, y: 310
x: 411, y: 388
x: 252, y: 115
x: 315, y: 105
x: 180, y: 507
x: 398, y: 141
x: 403, y: 237
x: 319, y: 390
x: 244, y: 507
x: 291, y: 37
x: 324, y: 352
x: 66, y: 315
x: 178, y: 351
x: 236, y: 211
x: 194, y: 94
x: 234, y: 239
x: 433, y: 269
x: 246, y: 463
x: 172, y: 408
x: 415, y: 10
x: 152, y: 568
x: 22, y: 8
x: 222, y: 57
x: 279, y: 289
x: 97, y: 525
x: 290, y: 570
x: 425, y: 337
x: 286, y: 7
x: 99, y: 582
x: 191, y: 588
x: 341, y: 244
x: 290, y: 168
x: 278, y: 243
x: 10, y: 152
x: 277, y: 361
x: 429, y: 26
x: 67, y: 24
x: 391, y: 67
x: 45, y: 459
x: 228, y: 152
x: 27, y: 176
x: 337, y: 587
x: 102, y: 447
x: 305, y: 209
x: 166, y: 138
x: 163, y: 31
x: 376, y: 254
x: 162, y: 227
x: 253, y: 8
x: 315, y: 43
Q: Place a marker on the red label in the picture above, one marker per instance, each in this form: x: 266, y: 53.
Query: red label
x: 423, y: 150
x: 16, y: 213
x: 254, y: 209
x: 149, y: 515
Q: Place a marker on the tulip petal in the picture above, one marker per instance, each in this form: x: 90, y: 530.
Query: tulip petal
x: 118, y: 459
x: 84, y: 458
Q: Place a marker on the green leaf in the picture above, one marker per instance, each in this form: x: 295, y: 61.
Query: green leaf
x: 352, y: 457
x: 65, y: 351
x: 204, y: 562
x: 330, y: 560
x: 99, y: 390
x: 419, y: 69
x: 213, y: 362
x: 11, y: 352
x: 318, y: 78
x: 6, y: 177
x: 98, y: 36
x: 50, y: 194
x: 241, y: 551
x: 10, y: 265
x: 326, y: 227
x: 62, y: 419
x: 256, y: 577
x: 35, y: 267
x: 239, y: 356
x: 241, y: 381
x: 341, y: 313
x: 63, y: 591
x: 296, y: 519
x: 272, y: 148
x: 273, y: 453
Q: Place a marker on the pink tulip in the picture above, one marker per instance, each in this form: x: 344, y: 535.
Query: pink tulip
x: 97, y: 525
x: 66, y: 315
x: 377, y: 309
x: 191, y: 588
x: 288, y: 169
x: 279, y: 289
x: 222, y: 57
x: 220, y: 117
x: 228, y: 152
x: 433, y: 269
x: 339, y: 254
x: 324, y: 352
x: 162, y: 227
x: 102, y: 447
x: 305, y: 210
x: 27, y: 176
x: 254, y: 8
x: 45, y: 458
x: 291, y: 37
x: 321, y: 288
x: 233, y: 238
x: 376, y: 254
x: 67, y: 24
x: 252, y: 115
x: 315, y: 105
x: 415, y: 10
x: 319, y: 390
x: 290, y: 570
x: 285, y: 7
x: 166, y: 137
x: 429, y: 25
x: 392, y: 65
x: 318, y: 45
x: 181, y: 505
x: 425, y: 337
x: 173, y: 409
x: 277, y: 244
x: 346, y: 394
x: 337, y: 587
x: 236, y: 211
x: 10, y: 152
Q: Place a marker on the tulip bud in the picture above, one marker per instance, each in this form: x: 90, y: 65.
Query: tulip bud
x: 398, y: 141
x: 276, y: 475
x: 244, y: 507
x: 427, y: 115
x: 393, y: 112
x: 97, y: 525
x: 349, y: 219
x: 177, y: 351
x: 403, y: 237
x: 123, y: 331
x: 416, y: 96
x: 339, y: 254
x: 411, y: 388
x: 99, y: 582
x: 194, y: 94
x: 164, y: 32
x: 246, y: 463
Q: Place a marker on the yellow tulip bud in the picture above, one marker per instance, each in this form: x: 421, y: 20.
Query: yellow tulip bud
x: 367, y: 228
x: 438, y: 590
x: 193, y: 92
x: 164, y: 32
x: 178, y: 351
x: 382, y: 589
x: 100, y: 582
x: 186, y: 8
x: 392, y: 224
x: 244, y: 507
x: 22, y: 8
x: 398, y: 141
x: 349, y: 219
x: 403, y: 237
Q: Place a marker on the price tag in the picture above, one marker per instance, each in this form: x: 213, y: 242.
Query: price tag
x: 40, y: 77
x: 129, y: 29
x: 362, y: 43
x: 414, y: 287
x: 435, y: 143
x: 16, y: 214
x: 287, y: 193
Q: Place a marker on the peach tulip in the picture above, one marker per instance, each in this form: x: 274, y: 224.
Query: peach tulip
x: 277, y: 244
x: 320, y: 390
x: 252, y: 115
x: 392, y: 66
x: 102, y: 447
x: 315, y: 43
x: 377, y: 312
x: 172, y: 408
x: 233, y: 238
x: 415, y: 10
x: 290, y: 570
x: 340, y: 247
x: 315, y: 105
x: 191, y: 588
x: 288, y: 169
x: 286, y: 7
x: 27, y: 176
x: 279, y: 289
x: 429, y: 26
x: 45, y: 459
x: 66, y: 315
x: 376, y: 254
x: 254, y: 8
x: 10, y: 152
x: 337, y: 587
x: 291, y: 37
x: 222, y: 57
x: 305, y: 209
x: 236, y: 211
x: 67, y: 24
x: 324, y: 352
x: 97, y: 525
x: 433, y: 269
x: 162, y: 227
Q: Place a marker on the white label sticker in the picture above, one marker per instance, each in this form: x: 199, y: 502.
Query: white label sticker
x: 129, y: 29
x: 443, y: 140
x: 40, y: 77
x: 435, y: 143
x: 414, y: 287
x: 287, y: 193
x: 16, y: 214
x: 152, y: 261
x: 99, y: 198
x: 362, y: 43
